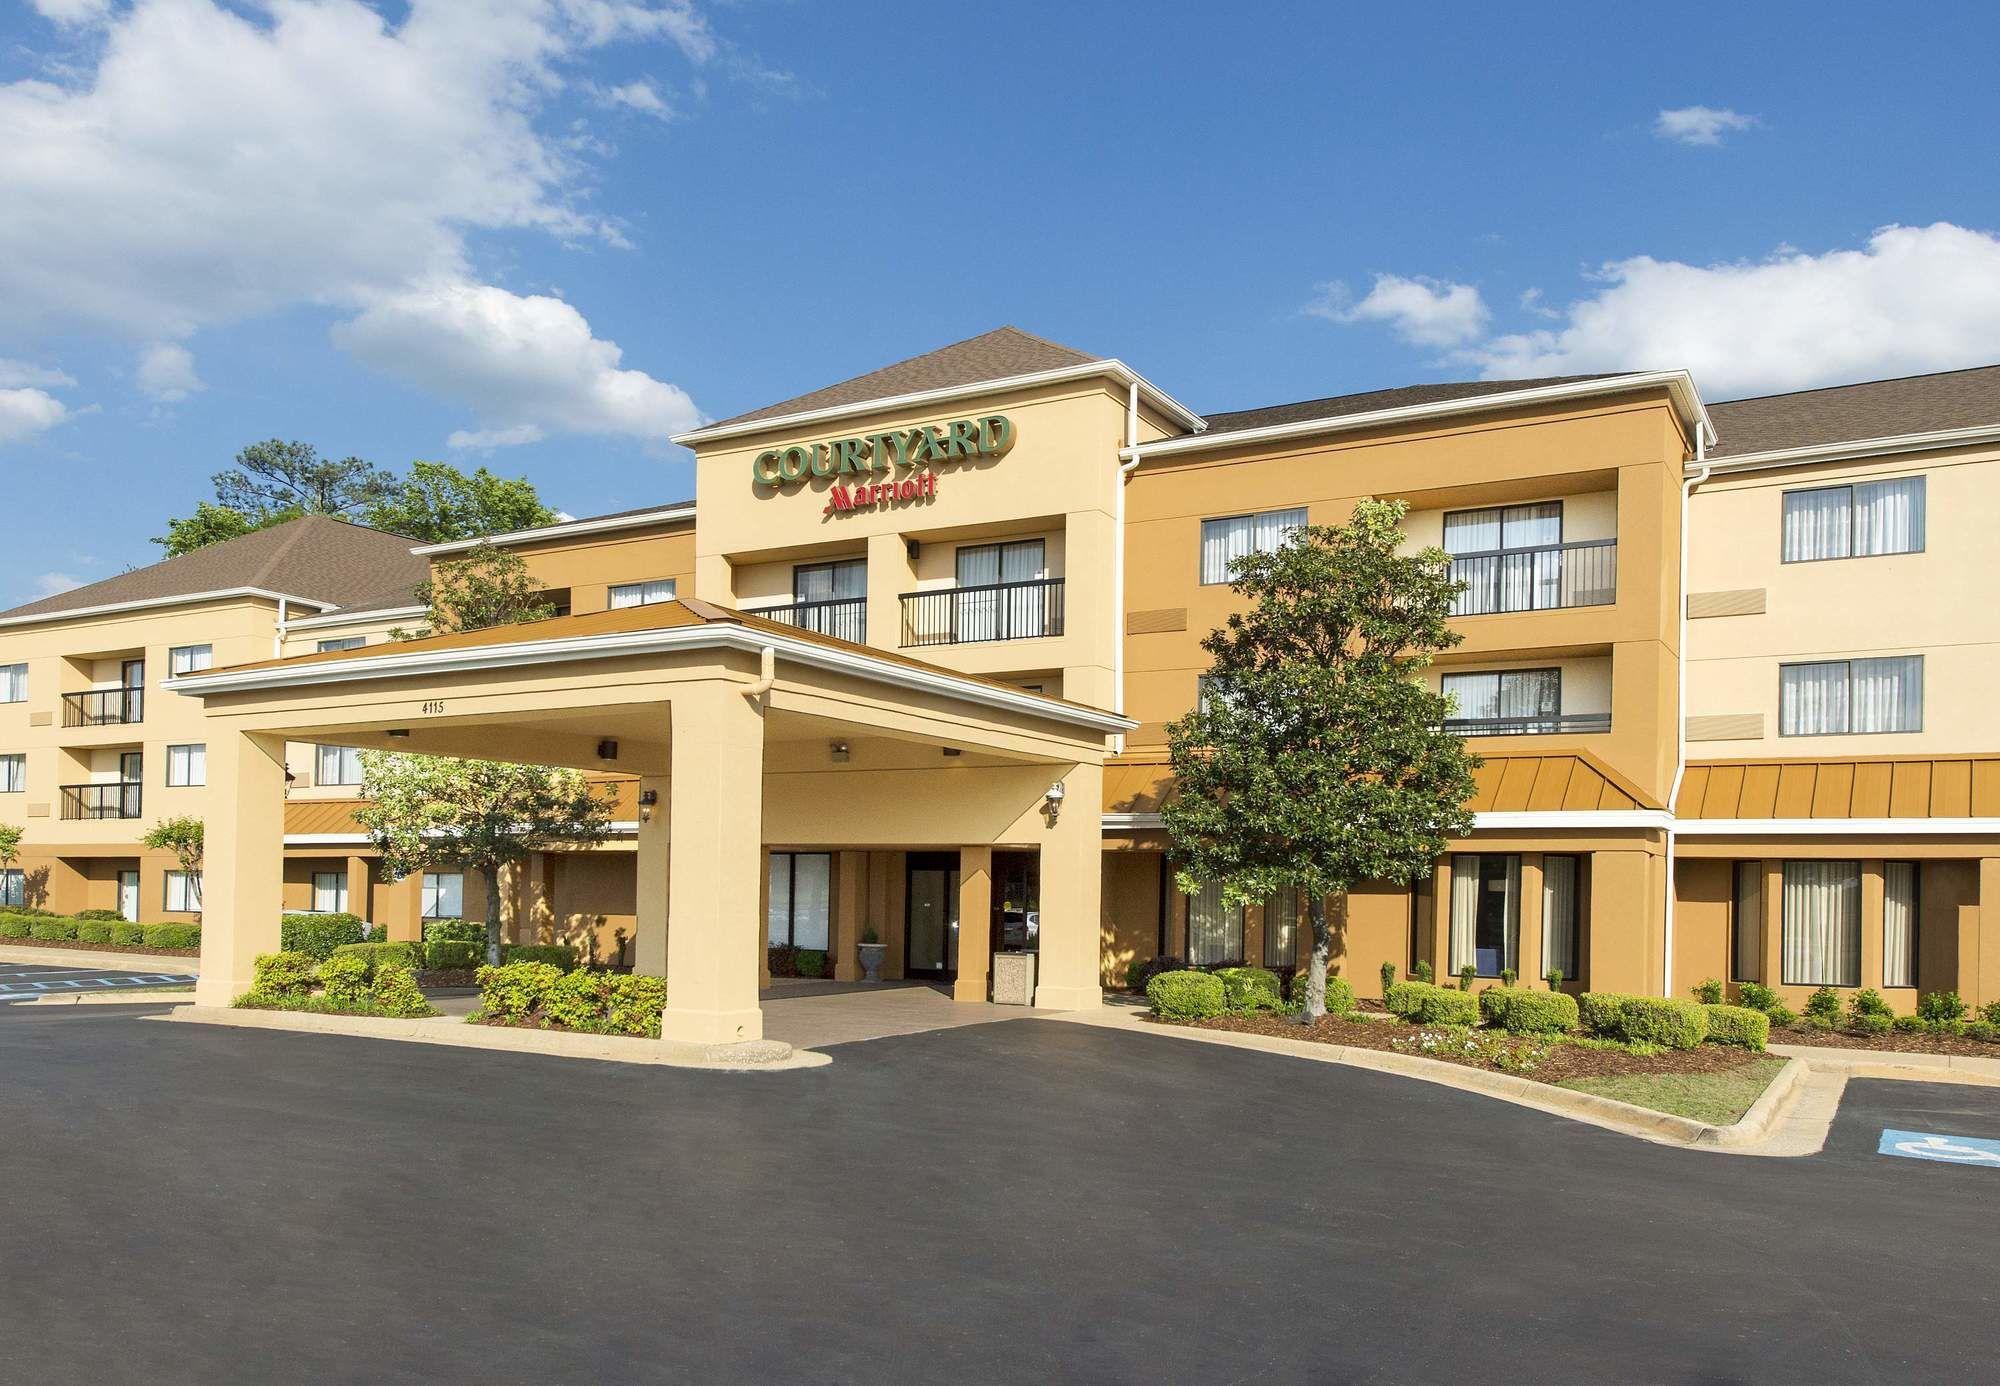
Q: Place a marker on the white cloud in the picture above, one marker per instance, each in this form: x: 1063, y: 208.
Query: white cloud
x: 636, y: 96
x: 17, y: 373
x: 1422, y: 311
x: 219, y: 163
x: 1700, y: 125
x: 72, y: 11
x: 167, y: 374
x: 524, y: 364
x: 26, y: 412
x: 1913, y: 299
x: 49, y: 584
x: 487, y: 439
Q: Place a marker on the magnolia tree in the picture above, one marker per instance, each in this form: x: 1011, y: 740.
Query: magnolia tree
x: 426, y: 812
x: 1317, y: 756
x: 182, y: 836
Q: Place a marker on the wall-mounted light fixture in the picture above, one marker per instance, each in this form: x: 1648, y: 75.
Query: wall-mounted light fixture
x: 400, y: 733
x: 607, y: 749
x: 952, y: 752
x: 912, y: 547
x: 1054, y: 799
x: 647, y: 799
x: 838, y: 750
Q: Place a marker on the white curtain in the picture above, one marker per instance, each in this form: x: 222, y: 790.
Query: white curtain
x: 1818, y: 524
x: 778, y: 908
x: 1559, y: 914
x: 1887, y: 694
x: 1281, y: 928
x: 1529, y: 695
x: 1748, y: 943
x: 1822, y: 924
x: 13, y: 683
x: 1812, y: 699
x: 1510, y: 937
x: 1899, y: 924
x: 1464, y: 911
x: 1215, y: 931
x: 1226, y: 540
x: 812, y: 898
x: 1889, y: 516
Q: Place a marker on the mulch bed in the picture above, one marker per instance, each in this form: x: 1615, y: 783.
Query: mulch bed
x: 1564, y: 1061
x: 1898, y: 1041
x: 441, y: 978
x: 78, y: 946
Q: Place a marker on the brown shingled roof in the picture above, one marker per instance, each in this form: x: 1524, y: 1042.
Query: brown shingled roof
x: 322, y: 559
x: 995, y: 355
x: 1369, y: 401
x: 1849, y: 413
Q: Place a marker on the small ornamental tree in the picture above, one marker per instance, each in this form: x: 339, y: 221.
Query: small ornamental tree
x: 10, y: 849
x: 430, y: 811
x: 1317, y: 757
x: 183, y: 837
x: 487, y: 587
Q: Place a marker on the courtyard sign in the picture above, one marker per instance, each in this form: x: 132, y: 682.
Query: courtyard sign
x: 894, y: 449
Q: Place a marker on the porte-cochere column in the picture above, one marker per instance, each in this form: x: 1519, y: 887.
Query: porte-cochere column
x: 242, y: 861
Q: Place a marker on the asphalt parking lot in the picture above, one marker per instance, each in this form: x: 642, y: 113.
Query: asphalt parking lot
x: 1031, y: 1201
x: 26, y: 981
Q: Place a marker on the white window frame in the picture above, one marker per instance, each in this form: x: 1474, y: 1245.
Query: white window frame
x: 438, y: 886
x: 329, y: 892
x: 329, y: 644
x: 1855, y: 510
x: 181, y: 892
x: 1283, y: 522
x: 189, y: 659
x: 187, y: 765
x: 650, y: 592
x: 1788, y: 720
x: 13, y: 683
x: 340, y: 757
x: 14, y: 772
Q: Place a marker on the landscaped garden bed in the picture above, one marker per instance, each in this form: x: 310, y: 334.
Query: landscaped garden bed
x: 1942, y: 1024
x: 95, y: 929
x: 95, y: 946
x: 541, y: 996
x: 368, y: 979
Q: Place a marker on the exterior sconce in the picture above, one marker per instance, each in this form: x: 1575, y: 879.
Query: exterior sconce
x: 647, y: 798
x: 607, y: 749
x: 911, y: 548
x: 838, y: 749
x: 1053, y: 800
x: 401, y: 733
x: 951, y: 751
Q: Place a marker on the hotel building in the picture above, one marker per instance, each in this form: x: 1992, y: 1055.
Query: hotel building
x: 906, y: 662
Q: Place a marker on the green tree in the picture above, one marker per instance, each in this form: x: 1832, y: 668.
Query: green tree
x: 10, y: 848
x: 435, y: 503
x: 488, y: 586
x: 183, y: 837
x: 1317, y: 756
x: 211, y: 524
x: 272, y: 482
x: 426, y: 812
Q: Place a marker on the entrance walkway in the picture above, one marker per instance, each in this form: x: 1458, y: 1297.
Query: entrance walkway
x: 814, y: 1015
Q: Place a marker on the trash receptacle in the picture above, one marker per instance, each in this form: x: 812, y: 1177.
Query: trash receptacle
x: 1014, y: 979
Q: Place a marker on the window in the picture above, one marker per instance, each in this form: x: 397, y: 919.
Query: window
x: 13, y: 683
x: 626, y: 594
x: 1226, y: 540
x: 829, y: 598
x: 1560, y: 875
x: 187, y: 659
x: 1510, y: 700
x: 330, y: 892
x: 1509, y: 557
x: 1485, y: 912
x: 1850, y: 696
x: 1746, y: 922
x: 1019, y: 608
x: 186, y: 766
x: 801, y: 898
x: 1281, y: 928
x: 183, y: 892
x: 1214, y: 930
x: 13, y: 773
x: 1822, y: 924
x: 1859, y: 521
x: 1899, y: 924
x: 339, y: 765
x: 1422, y: 913
x: 341, y: 642
x: 444, y: 895
x: 13, y: 886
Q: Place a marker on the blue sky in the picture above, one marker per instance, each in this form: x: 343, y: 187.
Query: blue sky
x: 541, y: 234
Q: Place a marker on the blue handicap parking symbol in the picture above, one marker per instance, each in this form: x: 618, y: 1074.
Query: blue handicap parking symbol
x: 1950, y: 1150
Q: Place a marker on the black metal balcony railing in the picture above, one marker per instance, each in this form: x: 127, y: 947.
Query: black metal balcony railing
x: 108, y: 707
x: 117, y: 800
x: 994, y: 611
x: 845, y: 618
x: 1583, y: 573
x: 1529, y: 726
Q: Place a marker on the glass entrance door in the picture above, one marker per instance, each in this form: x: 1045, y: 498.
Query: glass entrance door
x: 931, y: 920
x: 1017, y: 902
x: 128, y: 896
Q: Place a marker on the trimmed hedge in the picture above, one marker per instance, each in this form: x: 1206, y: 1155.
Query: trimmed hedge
x: 1519, y: 1011
x: 470, y: 931
x: 102, y: 916
x: 371, y: 984
x: 378, y: 955
x: 1251, y: 989
x: 282, y: 974
x: 170, y: 935
x: 92, y: 930
x: 15, y: 925
x: 319, y: 934
x: 1421, y: 1003
x: 1187, y: 996
x: 560, y: 956
x: 599, y: 1003
x: 1742, y: 1026
x: 1663, y: 1020
x: 125, y: 931
x: 53, y: 930
x: 452, y: 954
x: 1339, y: 992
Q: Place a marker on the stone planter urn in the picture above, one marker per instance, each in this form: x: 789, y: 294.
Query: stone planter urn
x: 871, y: 955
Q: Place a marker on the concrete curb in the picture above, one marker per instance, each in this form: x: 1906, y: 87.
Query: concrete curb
x: 126, y: 996
x: 453, y: 1032
x: 1755, y: 1126
x: 115, y: 962
x: 1893, y: 1063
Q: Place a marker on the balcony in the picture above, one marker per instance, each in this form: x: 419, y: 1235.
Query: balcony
x: 844, y: 618
x: 994, y: 611
x: 119, y: 799
x: 1540, y: 725
x: 1544, y: 578
x: 104, y: 708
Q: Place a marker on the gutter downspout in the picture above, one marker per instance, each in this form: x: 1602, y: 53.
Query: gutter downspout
x: 1680, y: 702
x: 767, y: 674
x: 1125, y: 471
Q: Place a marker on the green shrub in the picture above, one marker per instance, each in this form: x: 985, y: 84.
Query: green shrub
x: 92, y: 931
x: 1251, y: 989
x: 1738, y: 1025
x: 575, y: 1001
x: 318, y: 934
x: 633, y: 1005
x: 171, y: 935
x: 1508, y: 976
x: 1422, y: 971
x: 125, y: 931
x: 1661, y: 1020
x: 1932, y: 1006
x: 1420, y: 1003
x: 1868, y: 1001
x: 470, y: 931
x: 381, y: 955
x: 1782, y: 1017
x: 512, y: 991
x: 560, y: 956
x: 102, y: 916
x: 1945, y: 1027
x: 1869, y: 1023
x: 1339, y: 992
x: 284, y: 974
x: 1824, y: 1004
x: 1984, y: 1030
x: 1465, y: 976
x: 343, y: 979
x: 1756, y: 996
x: 1990, y: 1012
x: 1388, y: 977
x: 453, y: 954
x: 393, y: 989
x: 811, y: 962
x: 15, y: 925
x: 55, y: 929
x: 1708, y: 991
x: 1554, y: 977
x: 1910, y: 1024
x: 1187, y: 996
x: 1522, y: 1012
